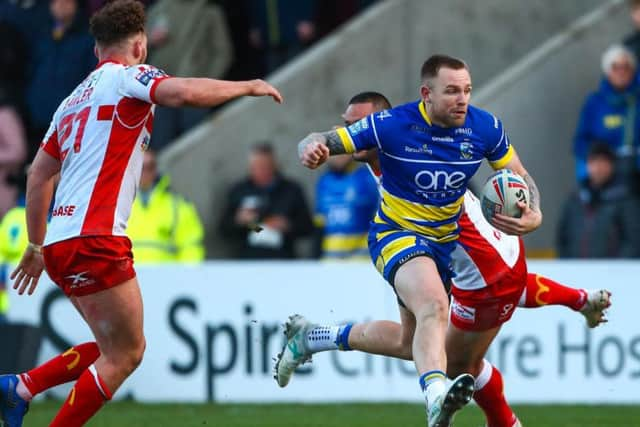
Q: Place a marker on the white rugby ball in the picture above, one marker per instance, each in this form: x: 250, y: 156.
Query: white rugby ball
x: 501, y: 194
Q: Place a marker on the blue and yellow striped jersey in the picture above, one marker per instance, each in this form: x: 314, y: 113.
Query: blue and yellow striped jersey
x: 425, y: 167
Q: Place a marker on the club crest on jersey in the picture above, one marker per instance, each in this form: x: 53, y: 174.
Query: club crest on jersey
x: 466, y: 152
x: 147, y: 74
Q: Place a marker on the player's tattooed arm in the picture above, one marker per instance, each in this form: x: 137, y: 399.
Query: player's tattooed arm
x: 314, y: 149
x: 329, y: 138
x: 534, y: 193
x: 334, y: 143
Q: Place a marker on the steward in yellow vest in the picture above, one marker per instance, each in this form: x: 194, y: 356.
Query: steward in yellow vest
x: 163, y: 226
x: 13, y: 242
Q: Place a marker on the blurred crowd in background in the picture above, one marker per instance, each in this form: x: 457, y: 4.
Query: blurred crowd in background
x: 46, y: 50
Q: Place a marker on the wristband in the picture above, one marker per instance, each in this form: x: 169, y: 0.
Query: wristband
x: 35, y: 248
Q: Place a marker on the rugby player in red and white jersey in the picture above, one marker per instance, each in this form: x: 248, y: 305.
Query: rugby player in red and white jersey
x: 491, y: 279
x: 96, y: 142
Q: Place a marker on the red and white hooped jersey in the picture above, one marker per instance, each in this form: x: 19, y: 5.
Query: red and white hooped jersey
x: 484, y: 255
x: 99, y: 134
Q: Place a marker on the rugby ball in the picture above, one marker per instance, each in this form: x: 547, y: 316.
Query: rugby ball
x: 501, y: 194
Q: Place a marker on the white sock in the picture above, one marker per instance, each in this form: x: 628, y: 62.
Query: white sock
x: 22, y: 389
x: 323, y: 338
x: 523, y: 298
x: 485, y: 374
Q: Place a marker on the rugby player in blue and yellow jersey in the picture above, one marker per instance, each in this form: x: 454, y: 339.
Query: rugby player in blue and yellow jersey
x: 428, y: 151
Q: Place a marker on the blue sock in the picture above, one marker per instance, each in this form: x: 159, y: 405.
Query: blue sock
x: 343, y: 337
x: 429, y: 377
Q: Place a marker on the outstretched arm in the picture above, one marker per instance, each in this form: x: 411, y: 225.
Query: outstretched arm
x: 316, y: 148
x: 204, y: 92
x: 531, y: 217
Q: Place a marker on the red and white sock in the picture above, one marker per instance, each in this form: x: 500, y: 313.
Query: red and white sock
x: 544, y: 291
x: 87, y: 396
x: 61, y: 369
x: 489, y: 396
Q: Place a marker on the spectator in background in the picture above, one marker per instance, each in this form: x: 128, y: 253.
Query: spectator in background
x: 61, y: 57
x: 268, y: 199
x: 186, y: 38
x: 27, y: 16
x: 281, y: 29
x: 632, y: 41
x: 246, y: 64
x: 13, y: 153
x: 346, y: 201
x: 347, y: 195
x: 163, y: 226
x: 13, y: 239
x: 600, y: 220
x: 610, y: 115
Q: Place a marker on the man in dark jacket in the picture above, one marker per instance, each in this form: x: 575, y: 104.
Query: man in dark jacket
x: 600, y: 220
x: 61, y: 57
x: 267, y: 200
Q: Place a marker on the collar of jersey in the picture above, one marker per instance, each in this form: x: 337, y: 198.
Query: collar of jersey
x: 423, y: 112
x: 107, y: 61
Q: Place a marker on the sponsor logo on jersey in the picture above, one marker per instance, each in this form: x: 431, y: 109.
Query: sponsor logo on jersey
x: 466, y: 150
x: 463, y: 131
x: 462, y: 312
x: 147, y: 74
x: 418, y: 128
x: 64, y: 210
x: 439, y: 180
x: 359, y: 126
x: 80, y: 280
x: 442, y: 139
x: 421, y: 150
x: 423, y: 242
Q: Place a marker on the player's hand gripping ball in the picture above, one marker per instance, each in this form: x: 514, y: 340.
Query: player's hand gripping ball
x: 501, y: 194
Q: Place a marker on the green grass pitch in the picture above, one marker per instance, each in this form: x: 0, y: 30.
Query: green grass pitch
x: 130, y: 414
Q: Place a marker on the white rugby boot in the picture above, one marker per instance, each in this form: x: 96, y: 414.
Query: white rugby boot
x: 295, y: 351
x: 456, y: 396
x: 594, y: 309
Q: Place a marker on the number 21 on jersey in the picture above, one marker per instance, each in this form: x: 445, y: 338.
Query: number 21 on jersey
x: 67, y: 126
x: 77, y: 121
